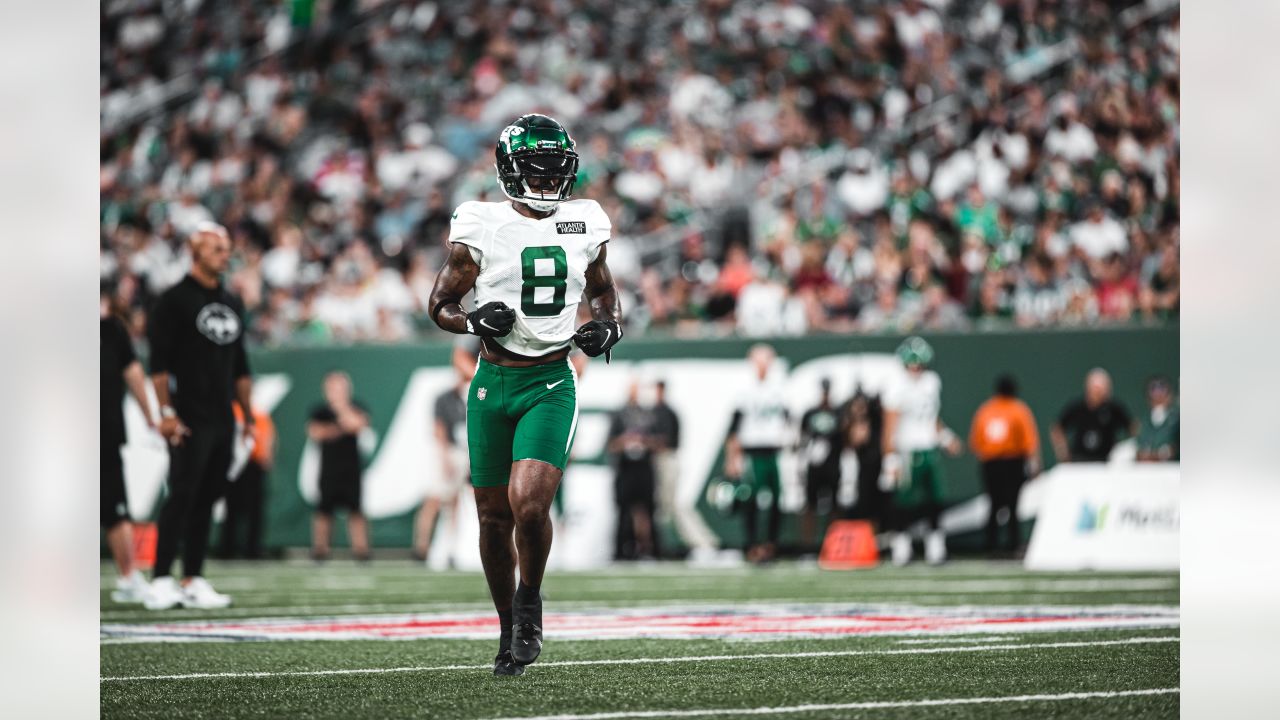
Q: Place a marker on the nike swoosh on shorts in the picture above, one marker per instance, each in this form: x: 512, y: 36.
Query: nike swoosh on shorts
x: 551, y: 385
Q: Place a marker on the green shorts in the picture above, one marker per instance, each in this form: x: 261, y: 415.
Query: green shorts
x: 922, y: 479
x: 527, y: 413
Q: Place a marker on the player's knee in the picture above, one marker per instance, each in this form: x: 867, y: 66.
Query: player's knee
x: 495, y: 521
x: 532, y: 513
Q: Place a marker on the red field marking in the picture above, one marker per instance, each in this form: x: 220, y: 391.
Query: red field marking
x: 744, y: 621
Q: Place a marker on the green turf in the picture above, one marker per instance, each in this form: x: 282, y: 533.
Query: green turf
x: 264, y: 590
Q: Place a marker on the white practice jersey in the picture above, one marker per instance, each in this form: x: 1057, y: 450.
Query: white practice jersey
x: 917, y: 399
x: 537, y: 267
x: 762, y: 420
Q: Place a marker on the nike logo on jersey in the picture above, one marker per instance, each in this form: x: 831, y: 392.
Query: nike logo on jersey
x: 571, y: 228
x: 551, y: 385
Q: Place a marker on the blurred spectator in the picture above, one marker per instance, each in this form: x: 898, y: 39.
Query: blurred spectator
x: 1004, y: 438
x: 1158, y: 430
x: 634, y: 437
x: 336, y: 426
x: 1088, y: 429
x: 246, y: 494
x: 782, y: 128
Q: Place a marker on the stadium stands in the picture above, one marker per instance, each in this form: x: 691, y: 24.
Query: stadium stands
x: 777, y: 167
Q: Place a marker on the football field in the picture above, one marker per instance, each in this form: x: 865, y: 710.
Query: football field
x: 391, y: 640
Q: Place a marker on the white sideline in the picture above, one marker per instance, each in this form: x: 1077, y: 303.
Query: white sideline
x: 875, y: 705
x: 655, y: 660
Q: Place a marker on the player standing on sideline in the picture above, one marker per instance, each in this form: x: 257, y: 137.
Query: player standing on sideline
x: 531, y: 261
x: 198, y: 364
x: 913, y: 432
x: 758, y: 432
x: 118, y: 367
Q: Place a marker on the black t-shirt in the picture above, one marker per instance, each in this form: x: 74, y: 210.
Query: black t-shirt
x: 451, y: 409
x: 116, y: 355
x: 339, y: 457
x: 820, y: 435
x: 197, y: 336
x: 1092, y: 433
x: 667, y: 425
x: 637, y: 420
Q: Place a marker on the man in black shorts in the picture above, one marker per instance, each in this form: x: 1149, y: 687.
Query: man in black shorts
x: 118, y: 367
x: 336, y: 425
x: 198, y: 366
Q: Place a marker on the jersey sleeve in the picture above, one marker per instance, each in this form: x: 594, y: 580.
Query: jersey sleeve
x: 600, y: 229
x: 891, y: 397
x: 467, y: 228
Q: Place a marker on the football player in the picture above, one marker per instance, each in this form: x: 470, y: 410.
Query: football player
x: 531, y: 260
x: 913, y: 433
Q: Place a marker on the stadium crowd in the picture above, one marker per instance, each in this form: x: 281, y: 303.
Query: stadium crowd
x: 773, y: 167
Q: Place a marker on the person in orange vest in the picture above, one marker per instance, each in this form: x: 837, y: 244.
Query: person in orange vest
x: 1005, y: 440
x: 246, y: 493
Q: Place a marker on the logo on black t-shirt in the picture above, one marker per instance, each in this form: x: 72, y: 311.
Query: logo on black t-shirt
x: 571, y: 228
x: 219, y: 323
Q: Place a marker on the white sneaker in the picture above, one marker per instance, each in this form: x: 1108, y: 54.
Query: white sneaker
x: 163, y: 593
x: 131, y: 588
x: 900, y: 549
x: 935, y: 547
x: 200, y: 595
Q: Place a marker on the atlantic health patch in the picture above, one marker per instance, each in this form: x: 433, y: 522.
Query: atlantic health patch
x: 571, y: 228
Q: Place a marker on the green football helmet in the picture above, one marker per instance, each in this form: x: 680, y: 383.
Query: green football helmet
x: 536, y: 147
x: 915, y: 351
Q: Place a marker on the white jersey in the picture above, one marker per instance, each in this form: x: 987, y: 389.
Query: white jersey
x: 537, y: 267
x: 917, y: 399
x: 762, y: 420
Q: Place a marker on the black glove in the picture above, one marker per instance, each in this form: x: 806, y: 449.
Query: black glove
x: 492, y: 319
x: 597, y: 337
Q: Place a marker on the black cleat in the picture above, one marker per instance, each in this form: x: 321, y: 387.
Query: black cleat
x: 526, y: 642
x: 504, y: 665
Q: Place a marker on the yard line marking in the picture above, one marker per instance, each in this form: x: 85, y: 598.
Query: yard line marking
x: 652, y: 660
x: 875, y: 705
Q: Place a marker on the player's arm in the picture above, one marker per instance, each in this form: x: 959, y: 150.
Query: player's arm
x: 321, y: 431
x: 604, y: 330
x: 136, y: 380
x: 455, y: 280
x: 160, y: 334
x: 733, y: 448
x: 950, y: 441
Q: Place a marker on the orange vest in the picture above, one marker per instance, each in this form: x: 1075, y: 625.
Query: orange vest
x: 1003, y: 428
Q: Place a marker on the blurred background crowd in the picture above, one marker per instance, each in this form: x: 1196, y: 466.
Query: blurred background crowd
x: 771, y: 168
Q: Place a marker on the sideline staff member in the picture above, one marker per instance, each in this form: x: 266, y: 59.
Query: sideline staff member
x: 198, y: 363
x: 1005, y: 439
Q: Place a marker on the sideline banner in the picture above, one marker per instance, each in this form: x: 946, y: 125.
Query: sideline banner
x: 1107, y: 517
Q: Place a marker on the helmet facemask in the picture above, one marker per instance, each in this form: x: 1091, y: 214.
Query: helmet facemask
x: 541, y: 180
x: 536, y: 162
